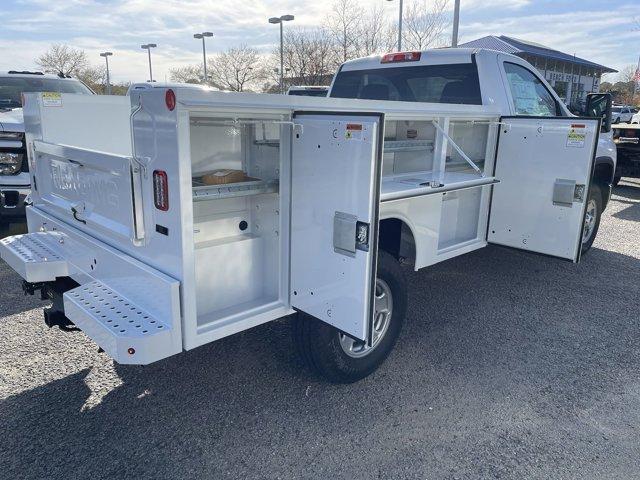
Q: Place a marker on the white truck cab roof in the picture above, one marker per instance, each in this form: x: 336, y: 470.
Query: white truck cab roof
x: 440, y: 56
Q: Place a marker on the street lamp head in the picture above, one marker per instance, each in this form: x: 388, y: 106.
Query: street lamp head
x: 152, y: 45
x: 287, y: 18
x: 207, y: 34
x: 274, y: 20
x: 106, y: 54
x: 197, y: 35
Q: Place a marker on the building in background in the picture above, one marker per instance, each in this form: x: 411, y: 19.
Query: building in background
x: 572, y: 77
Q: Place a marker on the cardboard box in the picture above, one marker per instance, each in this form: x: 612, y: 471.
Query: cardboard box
x: 224, y: 176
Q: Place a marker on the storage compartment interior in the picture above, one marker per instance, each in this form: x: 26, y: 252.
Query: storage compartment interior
x: 236, y: 216
x: 460, y: 217
x: 413, y: 159
x: 419, y: 159
x: 472, y: 139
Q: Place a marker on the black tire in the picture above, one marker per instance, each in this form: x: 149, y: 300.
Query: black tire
x: 616, y: 180
x: 595, y: 196
x: 319, y: 344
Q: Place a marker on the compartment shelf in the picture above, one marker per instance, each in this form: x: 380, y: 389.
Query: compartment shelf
x: 255, y: 187
x: 392, y: 146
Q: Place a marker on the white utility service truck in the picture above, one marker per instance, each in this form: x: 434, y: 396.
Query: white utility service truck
x: 175, y: 217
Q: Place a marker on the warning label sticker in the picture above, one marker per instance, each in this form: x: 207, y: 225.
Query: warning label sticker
x: 577, y: 136
x: 51, y: 99
x: 353, y: 131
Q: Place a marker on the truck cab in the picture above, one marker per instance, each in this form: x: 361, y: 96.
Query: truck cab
x: 473, y: 77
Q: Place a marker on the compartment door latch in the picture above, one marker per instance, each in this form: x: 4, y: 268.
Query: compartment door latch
x: 349, y: 234
x: 568, y: 192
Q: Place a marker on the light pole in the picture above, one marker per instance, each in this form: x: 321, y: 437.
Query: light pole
x: 399, y: 26
x: 280, y: 20
x: 148, y: 48
x: 106, y: 56
x: 456, y: 22
x: 204, y: 51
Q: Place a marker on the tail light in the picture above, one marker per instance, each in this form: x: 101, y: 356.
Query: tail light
x: 401, y: 57
x: 160, y: 190
x: 170, y: 99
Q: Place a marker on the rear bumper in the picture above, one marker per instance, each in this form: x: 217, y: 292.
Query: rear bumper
x: 12, y: 201
x: 128, y: 308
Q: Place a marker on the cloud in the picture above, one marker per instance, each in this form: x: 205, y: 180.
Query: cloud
x: 587, y: 34
x: 121, y: 26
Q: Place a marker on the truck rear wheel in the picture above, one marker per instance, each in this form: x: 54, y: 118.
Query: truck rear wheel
x: 342, y: 359
x: 592, y: 218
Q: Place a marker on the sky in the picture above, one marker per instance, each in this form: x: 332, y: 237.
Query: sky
x: 604, y: 32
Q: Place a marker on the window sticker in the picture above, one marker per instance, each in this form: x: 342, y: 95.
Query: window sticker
x: 577, y: 135
x: 51, y: 99
x: 353, y: 131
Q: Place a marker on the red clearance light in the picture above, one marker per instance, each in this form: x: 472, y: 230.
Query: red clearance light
x: 170, y: 99
x: 161, y: 190
x: 401, y: 57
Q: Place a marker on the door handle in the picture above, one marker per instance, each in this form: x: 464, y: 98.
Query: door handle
x: 566, y: 192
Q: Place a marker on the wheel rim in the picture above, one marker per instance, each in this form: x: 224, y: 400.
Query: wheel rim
x: 381, y: 320
x: 589, y: 221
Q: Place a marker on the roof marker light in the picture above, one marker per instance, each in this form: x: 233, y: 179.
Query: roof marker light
x: 401, y: 57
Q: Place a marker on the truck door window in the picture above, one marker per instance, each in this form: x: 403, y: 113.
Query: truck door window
x: 530, y: 96
x: 457, y: 83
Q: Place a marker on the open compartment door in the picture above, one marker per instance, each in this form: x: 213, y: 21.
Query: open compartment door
x: 544, y: 165
x: 335, y: 189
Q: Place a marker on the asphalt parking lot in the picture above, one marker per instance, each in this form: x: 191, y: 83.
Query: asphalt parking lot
x: 510, y: 365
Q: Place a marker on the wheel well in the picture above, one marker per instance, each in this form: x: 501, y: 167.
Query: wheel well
x: 396, y: 238
x: 603, y: 176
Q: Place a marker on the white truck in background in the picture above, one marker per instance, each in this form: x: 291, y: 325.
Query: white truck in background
x: 175, y: 217
x: 14, y: 168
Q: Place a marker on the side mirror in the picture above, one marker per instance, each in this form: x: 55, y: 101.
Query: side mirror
x: 599, y: 106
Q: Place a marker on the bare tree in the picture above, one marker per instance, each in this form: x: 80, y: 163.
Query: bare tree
x: 94, y: 77
x: 237, y: 69
x: 186, y: 74
x: 425, y: 24
x: 309, y: 56
x: 344, y: 24
x: 375, y: 34
x: 73, y: 62
x: 627, y: 74
x: 63, y: 59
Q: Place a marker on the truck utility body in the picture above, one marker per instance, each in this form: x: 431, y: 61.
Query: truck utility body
x: 14, y: 171
x: 165, y: 261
